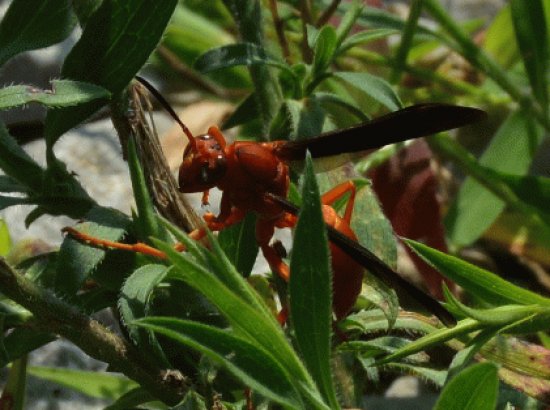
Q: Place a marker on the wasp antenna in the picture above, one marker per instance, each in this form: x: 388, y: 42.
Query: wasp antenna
x: 168, y: 108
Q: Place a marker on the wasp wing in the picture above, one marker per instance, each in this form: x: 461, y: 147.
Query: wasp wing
x: 412, y: 122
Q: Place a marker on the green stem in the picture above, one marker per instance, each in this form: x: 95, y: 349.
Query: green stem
x: 406, y: 40
x: 268, y: 93
x: 57, y: 316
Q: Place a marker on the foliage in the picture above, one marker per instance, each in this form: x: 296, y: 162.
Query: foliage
x: 194, y: 327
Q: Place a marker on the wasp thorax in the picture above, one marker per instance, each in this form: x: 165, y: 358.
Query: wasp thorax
x: 203, y: 165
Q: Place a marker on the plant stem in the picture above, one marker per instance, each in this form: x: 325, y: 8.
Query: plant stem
x: 59, y: 317
x: 268, y: 94
x: 279, y: 29
x: 406, y: 40
x: 160, y: 182
x: 328, y: 13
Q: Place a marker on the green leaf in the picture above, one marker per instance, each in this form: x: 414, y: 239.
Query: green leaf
x: 131, y: 399
x: 475, y: 208
x: 133, y: 303
x: 375, y: 87
x: 437, y: 377
x: 258, y: 325
x: 348, y: 21
x: 434, y: 338
x: 253, y: 365
x: 465, y: 356
x: 216, y: 261
x: 9, y: 184
x: 192, y: 33
x: 21, y: 341
x: 239, y: 244
x: 474, y: 388
x: 16, y: 382
x: 532, y: 38
x: 374, y: 321
x: 483, y: 284
x: 384, y: 344
x: 324, y: 49
x: 7, y: 201
x: 231, y: 55
x: 310, y: 287
x: 33, y: 24
x: 116, y: 42
x: 90, y: 383
x: 5, y: 238
x: 77, y: 261
x: 365, y: 37
x: 64, y: 93
x: 500, y: 40
x: 409, y: 31
x: 16, y: 163
x: 327, y: 99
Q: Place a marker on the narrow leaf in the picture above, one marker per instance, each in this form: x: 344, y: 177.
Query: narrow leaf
x: 16, y: 163
x: 324, y: 49
x: 311, y: 287
x: 116, y: 42
x: 7, y: 201
x: 5, y: 238
x: 436, y: 337
x: 133, y: 304
x: 33, y: 24
x: 254, y: 366
x: 93, y: 384
x: 483, y: 284
x: 375, y: 87
x: 244, y: 318
x: 406, y: 40
x: 500, y: 40
x: 365, y: 37
x: 532, y: 38
x: 76, y: 261
x: 9, y: 184
x: 474, y: 388
x: 64, y: 93
x: 327, y: 99
x: 131, y: 399
x: 21, y: 341
x: 13, y: 393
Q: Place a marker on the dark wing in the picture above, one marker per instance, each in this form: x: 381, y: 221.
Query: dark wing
x: 412, y: 122
x: 376, y: 266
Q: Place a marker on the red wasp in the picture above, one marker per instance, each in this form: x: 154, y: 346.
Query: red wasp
x: 255, y: 177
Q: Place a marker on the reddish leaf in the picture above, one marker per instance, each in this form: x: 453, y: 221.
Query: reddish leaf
x: 407, y: 189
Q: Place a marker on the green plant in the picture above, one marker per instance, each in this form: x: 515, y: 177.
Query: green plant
x: 229, y: 340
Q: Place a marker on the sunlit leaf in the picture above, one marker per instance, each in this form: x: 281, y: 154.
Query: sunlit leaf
x: 64, y: 93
